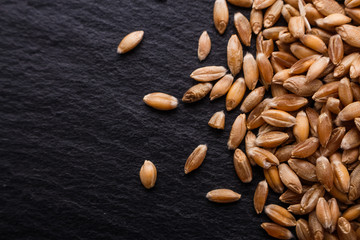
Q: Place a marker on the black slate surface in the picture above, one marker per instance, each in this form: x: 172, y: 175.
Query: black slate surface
x: 74, y: 130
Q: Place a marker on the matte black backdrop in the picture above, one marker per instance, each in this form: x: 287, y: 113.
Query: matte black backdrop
x: 74, y: 130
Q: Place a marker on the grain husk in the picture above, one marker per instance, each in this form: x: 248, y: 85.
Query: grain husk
x: 286, y: 37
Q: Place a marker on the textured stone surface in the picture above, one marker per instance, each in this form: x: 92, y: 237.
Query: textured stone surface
x: 74, y: 130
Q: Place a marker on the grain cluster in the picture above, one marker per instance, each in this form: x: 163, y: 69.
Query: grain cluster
x: 306, y: 135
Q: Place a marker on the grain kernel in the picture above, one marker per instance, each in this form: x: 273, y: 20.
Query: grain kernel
x: 223, y: 196
x: 148, y: 174
x: 130, y: 41
x: 195, y: 159
x: 161, y: 101
x: 221, y: 15
x: 234, y: 55
x: 260, y: 196
x: 217, y: 120
x: 243, y: 28
x: 204, y: 46
x: 235, y: 94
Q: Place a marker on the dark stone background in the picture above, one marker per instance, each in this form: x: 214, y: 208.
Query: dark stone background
x: 74, y: 130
